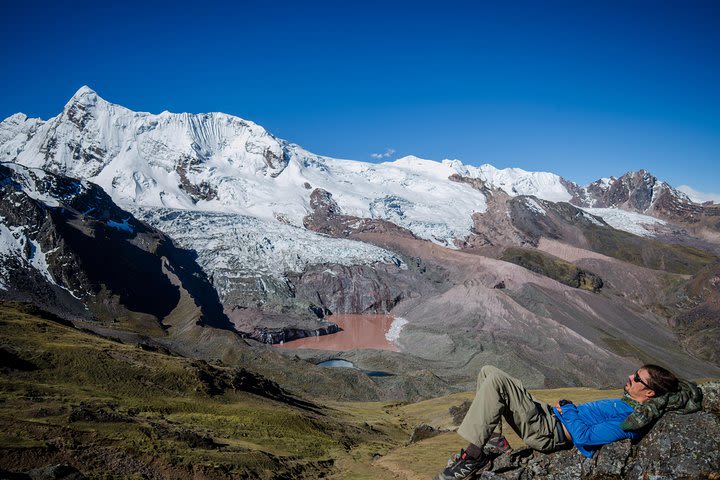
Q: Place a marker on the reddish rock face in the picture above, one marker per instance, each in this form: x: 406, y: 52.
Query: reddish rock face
x: 358, y: 331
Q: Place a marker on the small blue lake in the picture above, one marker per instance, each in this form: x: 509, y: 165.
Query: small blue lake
x: 337, y: 363
x: 340, y: 363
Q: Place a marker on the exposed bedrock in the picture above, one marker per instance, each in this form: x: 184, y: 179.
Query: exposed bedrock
x: 286, y: 334
x: 354, y: 289
x: 327, y: 217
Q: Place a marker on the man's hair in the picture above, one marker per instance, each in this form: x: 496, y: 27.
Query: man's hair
x: 660, y: 380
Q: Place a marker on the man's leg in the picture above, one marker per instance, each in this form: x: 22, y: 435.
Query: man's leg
x: 500, y: 395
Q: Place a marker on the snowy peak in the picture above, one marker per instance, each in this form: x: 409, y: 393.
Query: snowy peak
x: 84, y: 96
x: 87, y: 107
x: 222, y: 163
x: 633, y: 191
x: 165, y: 160
x: 515, y: 181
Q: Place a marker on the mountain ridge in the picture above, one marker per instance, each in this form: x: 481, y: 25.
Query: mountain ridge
x: 286, y: 237
x: 512, y: 180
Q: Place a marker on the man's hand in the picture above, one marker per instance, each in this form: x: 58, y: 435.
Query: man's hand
x: 560, y: 403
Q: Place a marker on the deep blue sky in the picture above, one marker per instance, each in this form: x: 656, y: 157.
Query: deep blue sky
x: 582, y: 89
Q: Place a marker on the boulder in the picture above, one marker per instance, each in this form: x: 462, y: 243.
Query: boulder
x: 423, y: 431
x: 678, y: 446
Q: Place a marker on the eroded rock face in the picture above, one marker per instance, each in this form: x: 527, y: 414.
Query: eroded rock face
x: 286, y: 334
x: 678, y: 446
x: 283, y: 325
x: 352, y: 289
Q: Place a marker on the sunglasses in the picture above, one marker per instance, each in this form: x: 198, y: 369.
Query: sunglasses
x: 637, y: 379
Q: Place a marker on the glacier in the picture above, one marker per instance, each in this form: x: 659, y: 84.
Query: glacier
x: 235, y: 179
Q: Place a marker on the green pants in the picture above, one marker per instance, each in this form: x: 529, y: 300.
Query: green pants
x: 500, y: 395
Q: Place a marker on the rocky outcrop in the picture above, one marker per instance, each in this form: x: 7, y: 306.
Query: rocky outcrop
x: 328, y: 218
x: 643, y: 193
x: 353, y: 289
x: 290, y: 322
x: 701, y: 220
x: 634, y: 190
x: 197, y: 191
x: 474, y: 182
x: 423, y: 432
x: 494, y: 227
x: 286, y: 334
x: 678, y: 446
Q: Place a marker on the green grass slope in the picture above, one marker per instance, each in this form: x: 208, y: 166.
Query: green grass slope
x: 553, y: 267
x: 109, y: 408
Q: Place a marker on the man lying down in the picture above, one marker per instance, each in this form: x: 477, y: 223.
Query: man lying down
x: 649, y: 393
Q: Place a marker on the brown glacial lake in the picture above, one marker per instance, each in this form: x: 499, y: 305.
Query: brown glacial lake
x: 358, y: 331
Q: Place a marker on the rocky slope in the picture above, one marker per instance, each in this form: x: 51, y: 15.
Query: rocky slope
x: 643, y: 193
x: 68, y: 248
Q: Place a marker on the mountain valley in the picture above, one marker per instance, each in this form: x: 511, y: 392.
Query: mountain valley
x: 201, y: 240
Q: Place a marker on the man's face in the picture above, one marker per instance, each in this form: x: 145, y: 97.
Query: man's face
x: 636, y: 386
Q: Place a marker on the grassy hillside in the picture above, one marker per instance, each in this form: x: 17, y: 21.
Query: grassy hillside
x: 104, y: 407
x: 68, y: 396
x: 553, y: 267
x: 647, y: 252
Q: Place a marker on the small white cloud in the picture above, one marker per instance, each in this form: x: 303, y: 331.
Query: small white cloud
x: 379, y: 156
x: 699, y: 197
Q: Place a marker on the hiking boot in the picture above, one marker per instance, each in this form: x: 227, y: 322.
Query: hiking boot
x: 498, y: 445
x: 463, y: 467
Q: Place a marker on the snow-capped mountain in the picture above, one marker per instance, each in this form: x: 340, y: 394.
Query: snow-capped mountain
x: 217, y: 162
x: 285, y: 236
x: 220, y: 163
x: 223, y: 164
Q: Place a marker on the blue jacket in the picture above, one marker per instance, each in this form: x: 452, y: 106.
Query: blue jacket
x: 596, y: 423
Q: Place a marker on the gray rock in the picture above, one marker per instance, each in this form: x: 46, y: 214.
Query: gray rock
x: 711, y: 397
x: 679, y: 446
x: 423, y: 431
x: 56, y: 472
x: 458, y: 412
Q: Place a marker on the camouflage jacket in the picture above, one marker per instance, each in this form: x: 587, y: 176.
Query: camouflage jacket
x: 687, y: 399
